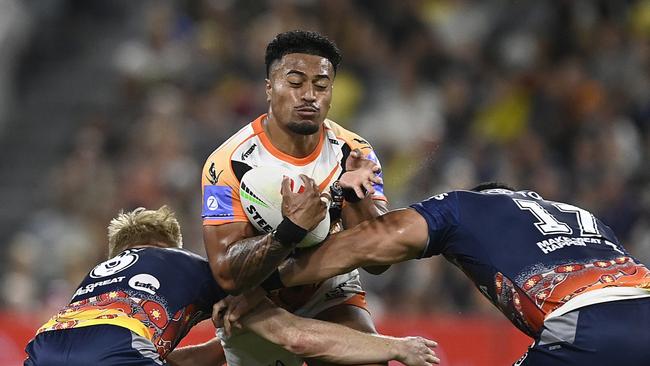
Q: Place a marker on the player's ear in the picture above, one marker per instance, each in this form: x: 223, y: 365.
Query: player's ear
x: 268, y: 90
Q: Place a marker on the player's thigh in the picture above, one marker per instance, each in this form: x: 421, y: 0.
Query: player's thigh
x: 348, y: 315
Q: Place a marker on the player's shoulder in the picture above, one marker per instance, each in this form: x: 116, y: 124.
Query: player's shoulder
x: 352, y: 139
x: 218, y: 168
x: 225, y: 150
x: 492, y: 195
x: 179, y: 254
x: 445, y: 198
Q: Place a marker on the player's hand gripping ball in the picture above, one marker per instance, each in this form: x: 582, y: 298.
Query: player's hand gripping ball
x: 262, y: 201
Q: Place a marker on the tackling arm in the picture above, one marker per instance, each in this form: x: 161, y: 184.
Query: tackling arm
x: 355, y: 213
x: 209, y: 353
x: 332, y: 342
x: 394, y: 237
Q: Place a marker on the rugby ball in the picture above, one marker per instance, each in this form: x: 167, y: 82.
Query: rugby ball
x: 262, y: 201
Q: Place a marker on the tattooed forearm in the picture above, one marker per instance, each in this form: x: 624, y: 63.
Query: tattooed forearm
x: 252, y: 260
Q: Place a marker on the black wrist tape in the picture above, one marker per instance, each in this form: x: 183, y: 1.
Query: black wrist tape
x: 273, y: 282
x: 288, y: 233
x: 351, y: 196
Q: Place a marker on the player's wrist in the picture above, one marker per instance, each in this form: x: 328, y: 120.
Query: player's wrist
x: 288, y: 233
x: 273, y: 282
x: 336, y: 191
x: 397, y: 349
x: 340, y: 194
x: 351, y: 196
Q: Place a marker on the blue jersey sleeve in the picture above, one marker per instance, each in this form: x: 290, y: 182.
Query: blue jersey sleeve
x: 442, y: 216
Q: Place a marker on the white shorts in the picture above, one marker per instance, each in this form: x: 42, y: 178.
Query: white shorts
x: 248, y: 349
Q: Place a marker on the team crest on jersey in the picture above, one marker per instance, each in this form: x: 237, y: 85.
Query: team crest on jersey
x: 361, y: 141
x: 213, y: 177
x: 114, y: 265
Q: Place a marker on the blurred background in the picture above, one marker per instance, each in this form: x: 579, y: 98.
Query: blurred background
x: 107, y: 105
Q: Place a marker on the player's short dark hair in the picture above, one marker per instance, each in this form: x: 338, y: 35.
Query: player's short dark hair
x: 300, y: 41
x: 492, y: 185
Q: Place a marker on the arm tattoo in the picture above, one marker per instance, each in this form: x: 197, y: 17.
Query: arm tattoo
x: 252, y: 260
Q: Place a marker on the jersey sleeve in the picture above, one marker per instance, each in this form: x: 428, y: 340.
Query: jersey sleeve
x: 442, y: 217
x: 221, y: 203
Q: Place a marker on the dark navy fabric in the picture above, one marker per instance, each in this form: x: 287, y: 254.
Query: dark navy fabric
x: 167, y: 290
x: 99, y: 345
x: 526, y: 254
x: 176, y: 276
x: 613, y: 333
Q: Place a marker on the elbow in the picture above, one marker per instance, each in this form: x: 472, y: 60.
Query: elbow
x: 230, y: 287
x: 377, y: 269
x: 226, y: 281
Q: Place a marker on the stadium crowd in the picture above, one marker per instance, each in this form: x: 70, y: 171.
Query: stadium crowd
x: 552, y: 96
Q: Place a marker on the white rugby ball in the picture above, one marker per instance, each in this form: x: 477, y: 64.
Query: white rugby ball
x: 262, y: 201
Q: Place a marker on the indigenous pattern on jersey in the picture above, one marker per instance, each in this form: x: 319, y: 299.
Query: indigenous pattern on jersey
x: 157, y: 293
x: 251, y: 147
x: 529, y: 256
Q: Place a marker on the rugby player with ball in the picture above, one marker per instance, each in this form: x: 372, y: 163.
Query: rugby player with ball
x: 242, y: 240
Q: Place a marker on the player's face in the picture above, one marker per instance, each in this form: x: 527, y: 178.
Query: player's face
x: 299, y: 90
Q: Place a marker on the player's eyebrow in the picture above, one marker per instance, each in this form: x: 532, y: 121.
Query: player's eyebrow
x: 319, y: 76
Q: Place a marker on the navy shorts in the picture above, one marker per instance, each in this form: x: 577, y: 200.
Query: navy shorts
x: 97, y: 345
x: 612, y: 333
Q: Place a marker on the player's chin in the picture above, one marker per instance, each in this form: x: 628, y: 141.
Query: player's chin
x: 304, y: 127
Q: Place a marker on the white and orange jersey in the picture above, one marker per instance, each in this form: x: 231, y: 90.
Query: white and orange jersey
x: 251, y: 147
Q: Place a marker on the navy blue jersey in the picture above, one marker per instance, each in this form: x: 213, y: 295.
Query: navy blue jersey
x: 157, y: 293
x: 527, y: 255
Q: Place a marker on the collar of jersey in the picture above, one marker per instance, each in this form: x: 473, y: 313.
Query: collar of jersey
x: 268, y: 145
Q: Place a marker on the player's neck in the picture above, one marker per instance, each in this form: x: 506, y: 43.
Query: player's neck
x: 288, y: 142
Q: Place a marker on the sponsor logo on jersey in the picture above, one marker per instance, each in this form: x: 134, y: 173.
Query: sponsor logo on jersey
x: 553, y: 244
x: 91, y: 287
x: 145, y: 282
x: 248, y: 152
x: 212, y: 203
x: 114, y: 265
x: 217, y: 202
x: 333, y: 141
x: 259, y: 219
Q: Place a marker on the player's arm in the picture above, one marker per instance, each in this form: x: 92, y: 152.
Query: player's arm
x: 240, y: 259
x: 391, y: 238
x: 335, y: 343
x: 209, y: 353
x: 366, y: 209
x: 358, y: 184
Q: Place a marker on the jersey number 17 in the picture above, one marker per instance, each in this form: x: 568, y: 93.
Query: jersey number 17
x: 548, y: 224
